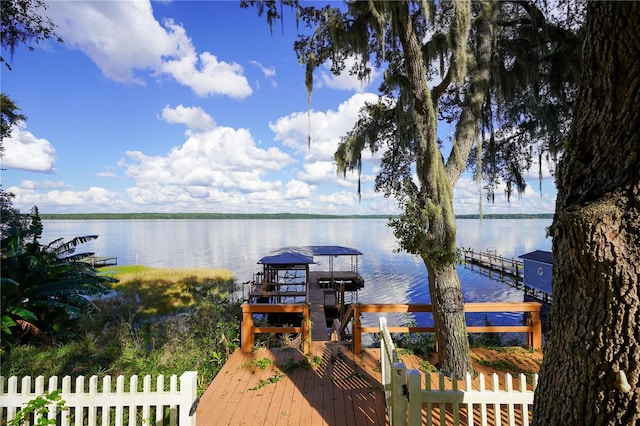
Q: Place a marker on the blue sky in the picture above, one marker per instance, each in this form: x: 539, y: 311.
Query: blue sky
x: 190, y: 107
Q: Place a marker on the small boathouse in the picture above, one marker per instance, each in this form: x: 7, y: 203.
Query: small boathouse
x: 538, y: 269
x: 323, y: 279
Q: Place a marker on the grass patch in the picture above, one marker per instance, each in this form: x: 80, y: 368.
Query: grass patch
x: 156, y: 291
x: 157, y: 321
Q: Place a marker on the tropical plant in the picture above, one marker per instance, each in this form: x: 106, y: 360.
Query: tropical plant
x: 44, y: 287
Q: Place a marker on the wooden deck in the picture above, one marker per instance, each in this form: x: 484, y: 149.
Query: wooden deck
x: 344, y: 389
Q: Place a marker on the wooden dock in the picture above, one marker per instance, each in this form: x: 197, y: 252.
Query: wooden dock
x: 100, y: 261
x: 338, y: 388
x: 319, y: 297
x: 491, y: 265
x: 494, y: 262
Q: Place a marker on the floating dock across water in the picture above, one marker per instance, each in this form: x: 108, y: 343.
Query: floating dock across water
x: 100, y: 261
x: 492, y: 261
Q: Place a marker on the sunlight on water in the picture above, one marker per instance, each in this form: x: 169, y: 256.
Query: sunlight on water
x: 237, y: 245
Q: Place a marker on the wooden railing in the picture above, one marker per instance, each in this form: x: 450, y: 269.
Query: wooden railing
x: 249, y: 329
x: 101, y: 404
x: 406, y: 397
x: 533, y: 328
x: 492, y: 260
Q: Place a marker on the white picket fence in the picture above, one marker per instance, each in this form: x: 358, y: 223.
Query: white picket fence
x: 105, y: 405
x: 448, y: 405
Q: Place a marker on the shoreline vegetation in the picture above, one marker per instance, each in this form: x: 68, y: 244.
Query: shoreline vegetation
x: 155, y: 321
x: 267, y: 216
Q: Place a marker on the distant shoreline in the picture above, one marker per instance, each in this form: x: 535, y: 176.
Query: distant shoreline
x: 270, y: 216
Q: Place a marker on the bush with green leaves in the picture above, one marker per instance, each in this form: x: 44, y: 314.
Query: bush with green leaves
x: 39, y: 406
x: 44, y: 288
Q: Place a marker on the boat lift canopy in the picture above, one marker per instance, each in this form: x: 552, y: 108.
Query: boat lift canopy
x: 303, y: 255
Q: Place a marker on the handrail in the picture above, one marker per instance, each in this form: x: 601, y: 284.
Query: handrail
x: 487, y: 258
x: 533, y: 327
x: 388, y: 360
x: 248, y: 329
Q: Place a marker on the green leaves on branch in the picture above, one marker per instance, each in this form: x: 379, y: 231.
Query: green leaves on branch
x: 44, y: 288
x: 40, y: 406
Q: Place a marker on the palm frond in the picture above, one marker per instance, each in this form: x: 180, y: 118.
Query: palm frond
x: 60, y: 248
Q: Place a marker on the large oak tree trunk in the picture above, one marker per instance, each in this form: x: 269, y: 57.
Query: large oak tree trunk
x: 449, y: 320
x: 591, y: 369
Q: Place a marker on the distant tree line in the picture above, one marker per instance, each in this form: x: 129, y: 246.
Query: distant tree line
x: 280, y: 216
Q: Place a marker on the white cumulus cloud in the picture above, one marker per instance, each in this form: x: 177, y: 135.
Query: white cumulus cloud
x: 123, y: 38
x: 193, y: 117
x: 45, y: 194
x: 23, y: 150
x: 327, y: 128
x: 214, y: 164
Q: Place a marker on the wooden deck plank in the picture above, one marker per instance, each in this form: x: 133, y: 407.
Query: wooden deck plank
x: 259, y: 390
x: 300, y: 406
x: 280, y: 410
x: 304, y: 396
x: 228, y: 393
x: 268, y: 411
x: 307, y: 383
x: 222, y: 393
x: 318, y: 415
x: 329, y: 396
x: 374, y: 406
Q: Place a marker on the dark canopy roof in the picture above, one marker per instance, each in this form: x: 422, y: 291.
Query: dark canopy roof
x: 539, y: 256
x: 287, y: 258
x: 304, y: 255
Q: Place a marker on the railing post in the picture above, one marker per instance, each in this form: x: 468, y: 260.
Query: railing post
x: 385, y: 362
x: 306, y: 327
x: 188, y: 391
x: 357, y: 330
x: 398, y: 395
x: 535, y: 336
x: 246, y: 330
x: 414, y: 396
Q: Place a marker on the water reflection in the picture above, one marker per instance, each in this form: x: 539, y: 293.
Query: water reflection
x: 237, y: 245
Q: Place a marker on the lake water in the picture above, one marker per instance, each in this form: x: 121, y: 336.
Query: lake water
x: 237, y: 245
